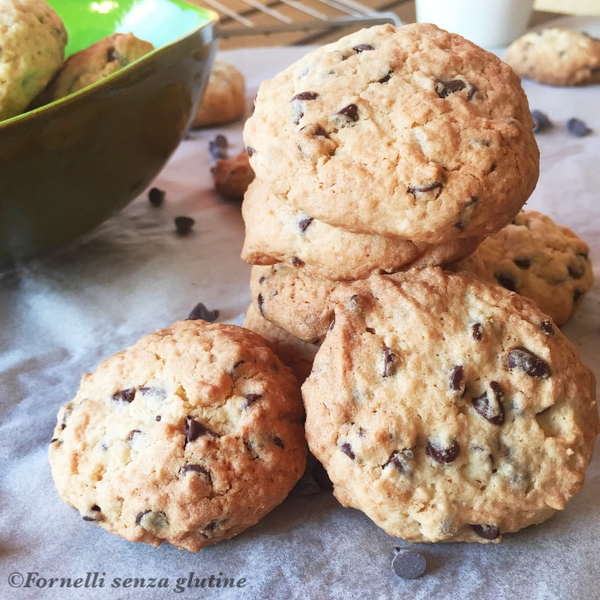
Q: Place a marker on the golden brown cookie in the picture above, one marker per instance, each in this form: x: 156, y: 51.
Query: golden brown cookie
x: 232, y: 176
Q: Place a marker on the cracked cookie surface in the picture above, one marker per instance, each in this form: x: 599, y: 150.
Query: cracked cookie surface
x: 277, y: 232
x: 190, y: 436
x: 409, y: 131
x: 556, y: 56
x: 447, y: 410
x: 537, y: 258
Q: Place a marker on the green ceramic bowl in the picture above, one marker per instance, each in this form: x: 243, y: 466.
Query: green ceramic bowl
x: 67, y: 166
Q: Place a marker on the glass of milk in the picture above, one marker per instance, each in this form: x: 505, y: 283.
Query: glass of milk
x: 488, y: 23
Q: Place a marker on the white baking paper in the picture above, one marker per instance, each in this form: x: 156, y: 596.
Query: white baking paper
x: 59, y: 317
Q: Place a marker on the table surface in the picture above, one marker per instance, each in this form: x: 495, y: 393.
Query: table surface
x: 60, y: 316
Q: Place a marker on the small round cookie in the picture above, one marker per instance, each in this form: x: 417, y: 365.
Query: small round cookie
x: 277, y: 232
x: 536, y: 258
x: 294, y: 300
x: 232, y: 176
x: 189, y: 437
x: 556, y: 56
x: 293, y: 352
x: 32, y: 44
x: 225, y: 97
x: 99, y: 60
x: 448, y: 409
x: 407, y: 131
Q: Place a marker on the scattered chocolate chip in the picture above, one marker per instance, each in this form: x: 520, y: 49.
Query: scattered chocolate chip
x: 132, y: 434
x: 250, y: 150
x: 362, y: 48
x: 296, y: 262
x: 53, y: 440
x: 194, y: 429
x: 252, y: 398
x: 260, y: 301
x: 86, y: 518
x: 389, y: 362
x: 578, y: 128
x: 443, y: 455
x: 350, y: 112
x: 547, y: 327
x: 489, y: 532
x: 306, y: 96
x: 218, y: 147
x: 196, y: 469
x: 575, y: 271
x: 409, y: 564
x: 140, y: 516
x: 304, y: 223
x: 95, y: 508
x: 444, y: 88
x: 346, y: 448
x: 401, y: 459
x: 436, y: 185
x: 156, y: 196
x: 201, y: 312
x: 477, y: 331
x: 124, y: 395
x: 456, y: 380
x: 278, y: 441
x: 523, y: 359
x: 523, y: 263
x: 541, y: 122
x: 157, y: 418
x: 184, y: 225
x: 490, y: 407
x: 506, y: 281
x: 386, y: 78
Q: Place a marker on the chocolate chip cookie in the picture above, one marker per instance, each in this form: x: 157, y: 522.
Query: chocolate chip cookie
x: 556, y: 56
x: 190, y: 436
x: 448, y: 409
x: 536, y: 258
x: 407, y: 131
x: 292, y: 351
x: 277, y: 232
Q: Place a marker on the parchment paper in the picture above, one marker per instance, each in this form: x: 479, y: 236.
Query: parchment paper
x: 59, y: 317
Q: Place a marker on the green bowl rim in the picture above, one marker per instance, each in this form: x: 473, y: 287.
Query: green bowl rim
x: 213, y: 18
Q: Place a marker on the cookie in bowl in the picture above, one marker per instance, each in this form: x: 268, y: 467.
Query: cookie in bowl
x: 190, y: 436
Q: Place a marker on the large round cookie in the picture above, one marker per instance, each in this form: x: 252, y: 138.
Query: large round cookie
x: 99, y: 60
x: 277, y: 232
x: 556, y: 56
x: 448, y: 409
x: 295, y: 353
x: 536, y: 258
x: 408, y: 131
x: 32, y: 44
x: 190, y: 436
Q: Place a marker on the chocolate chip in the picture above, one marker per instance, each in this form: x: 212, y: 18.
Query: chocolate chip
x: 386, y: 78
x: 132, y: 434
x: 444, y: 88
x: 218, y: 147
x: 409, y: 564
x: 124, y: 395
x: 252, y: 398
x: 575, y: 271
x: 477, y: 331
x: 111, y: 54
x: 260, y: 301
x: 350, y: 112
x: 472, y: 91
x: 156, y: 520
x: 201, y: 312
x: 196, y: 469
x: 346, y: 448
x: 184, y: 225
x: 194, y: 429
x: 489, y: 532
x: 578, y: 128
x: 523, y: 263
x: 362, y: 48
x: 140, y: 516
x: 436, y: 185
x: 156, y: 196
x: 53, y: 440
x: 456, y: 380
x: 541, y: 122
x: 157, y: 393
x: 278, y: 441
x: 85, y: 518
x: 318, y: 131
x: 95, y: 508
x: 296, y: 262
x: 157, y: 418
x: 490, y: 407
x: 506, y: 281
x: 389, y: 362
x: 304, y: 223
x: 306, y: 96
x: 401, y: 459
x: 523, y: 359
x: 547, y: 327
x: 443, y: 455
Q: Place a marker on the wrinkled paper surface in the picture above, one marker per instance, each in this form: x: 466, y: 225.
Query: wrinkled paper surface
x: 59, y: 317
